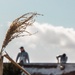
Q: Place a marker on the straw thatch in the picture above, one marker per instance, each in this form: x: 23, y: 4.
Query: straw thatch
x: 17, y: 27
x: 15, y: 30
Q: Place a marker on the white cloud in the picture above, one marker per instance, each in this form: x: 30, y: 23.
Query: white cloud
x: 55, y: 36
x: 47, y: 43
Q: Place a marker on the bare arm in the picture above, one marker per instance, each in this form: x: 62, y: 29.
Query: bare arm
x: 17, y: 57
x: 28, y: 58
x: 58, y: 56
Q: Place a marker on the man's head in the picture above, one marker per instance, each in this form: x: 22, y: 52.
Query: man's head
x: 22, y: 48
x: 64, y: 55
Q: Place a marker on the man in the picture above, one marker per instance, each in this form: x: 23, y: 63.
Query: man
x: 63, y: 58
x: 23, y: 55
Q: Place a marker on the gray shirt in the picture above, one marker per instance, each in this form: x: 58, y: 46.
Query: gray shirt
x: 24, y: 57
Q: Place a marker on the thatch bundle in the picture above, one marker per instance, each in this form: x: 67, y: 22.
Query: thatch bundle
x: 19, y: 26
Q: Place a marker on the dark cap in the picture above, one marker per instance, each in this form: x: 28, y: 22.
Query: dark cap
x: 21, y: 47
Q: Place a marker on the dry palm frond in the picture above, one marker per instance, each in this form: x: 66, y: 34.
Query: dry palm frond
x: 19, y: 26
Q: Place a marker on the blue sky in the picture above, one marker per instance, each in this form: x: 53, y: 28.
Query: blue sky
x: 58, y: 15
x: 56, y: 12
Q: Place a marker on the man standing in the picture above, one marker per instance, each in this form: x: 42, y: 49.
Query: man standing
x: 23, y: 55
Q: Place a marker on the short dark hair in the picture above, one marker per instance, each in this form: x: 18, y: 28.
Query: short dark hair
x: 64, y: 54
x: 21, y: 47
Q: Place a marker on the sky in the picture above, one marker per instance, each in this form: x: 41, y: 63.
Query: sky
x: 56, y: 29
